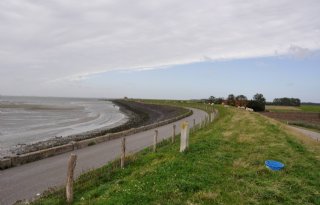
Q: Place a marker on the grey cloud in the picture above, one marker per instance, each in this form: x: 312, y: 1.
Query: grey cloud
x: 299, y: 52
x: 58, y: 40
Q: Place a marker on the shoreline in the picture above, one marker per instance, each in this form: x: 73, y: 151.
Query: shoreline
x: 53, y: 141
x: 141, y: 116
x: 49, y: 142
x: 35, y: 121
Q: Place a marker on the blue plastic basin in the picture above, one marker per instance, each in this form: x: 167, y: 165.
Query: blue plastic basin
x: 274, y: 165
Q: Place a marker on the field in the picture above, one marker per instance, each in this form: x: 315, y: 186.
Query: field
x: 302, y: 108
x: 307, y: 116
x: 224, y: 165
x: 310, y: 108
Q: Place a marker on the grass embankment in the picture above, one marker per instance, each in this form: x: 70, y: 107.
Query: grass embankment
x: 224, y: 165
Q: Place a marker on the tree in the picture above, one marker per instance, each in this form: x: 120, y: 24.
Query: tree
x: 218, y: 100
x: 231, y: 100
x: 259, y: 97
x: 241, y: 100
x: 211, y: 99
x: 258, y: 103
x: 287, y: 101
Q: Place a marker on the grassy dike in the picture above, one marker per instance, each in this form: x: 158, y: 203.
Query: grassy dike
x: 224, y: 165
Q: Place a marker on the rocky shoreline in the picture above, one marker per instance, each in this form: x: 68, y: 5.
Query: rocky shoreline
x: 139, y: 114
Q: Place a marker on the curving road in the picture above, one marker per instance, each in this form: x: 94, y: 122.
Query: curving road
x: 25, y: 181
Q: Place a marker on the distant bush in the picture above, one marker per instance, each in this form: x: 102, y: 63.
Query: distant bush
x: 287, y: 101
x: 218, y: 100
x: 214, y: 100
x: 241, y: 101
x: 231, y: 100
x: 257, y: 106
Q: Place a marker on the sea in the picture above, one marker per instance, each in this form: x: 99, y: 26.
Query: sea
x: 26, y: 120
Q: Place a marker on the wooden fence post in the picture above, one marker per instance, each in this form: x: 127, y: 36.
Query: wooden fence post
x: 123, y: 152
x: 194, y: 124
x: 155, y: 140
x: 184, y: 144
x: 70, y: 173
x: 173, y: 133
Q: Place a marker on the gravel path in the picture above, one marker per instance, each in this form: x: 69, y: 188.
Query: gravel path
x: 25, y: 181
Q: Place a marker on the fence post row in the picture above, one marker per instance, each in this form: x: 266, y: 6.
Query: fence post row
x: 155, y: 140
x: 184, y: 143
x: 183, y: 146
x: 174, y: 133
x: 123, y: 152
x: 70, y: 173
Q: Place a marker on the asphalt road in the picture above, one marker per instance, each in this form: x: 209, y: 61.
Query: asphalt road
x: 25, y: 181
x: 309, y: 133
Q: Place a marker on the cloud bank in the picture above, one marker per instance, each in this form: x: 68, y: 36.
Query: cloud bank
x: 54, y: 41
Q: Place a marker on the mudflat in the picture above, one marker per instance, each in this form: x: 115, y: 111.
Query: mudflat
x: 138, y: 114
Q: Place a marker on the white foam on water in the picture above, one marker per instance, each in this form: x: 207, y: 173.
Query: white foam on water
x: 25, y: 120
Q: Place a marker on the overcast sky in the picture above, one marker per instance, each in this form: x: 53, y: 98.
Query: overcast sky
x: 83, y: 48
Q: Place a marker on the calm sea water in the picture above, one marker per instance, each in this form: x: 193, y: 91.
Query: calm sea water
x: 25, y: 120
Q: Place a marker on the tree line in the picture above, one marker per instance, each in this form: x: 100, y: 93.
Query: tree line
x: 257, y: 103
x: 287, y: 101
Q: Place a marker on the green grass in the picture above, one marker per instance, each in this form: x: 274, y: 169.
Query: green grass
x: 302, y: 108
x: 278, y: 108
x: 224, y: 165
x: 310, y: 108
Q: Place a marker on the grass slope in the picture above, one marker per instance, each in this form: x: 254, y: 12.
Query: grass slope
x: 224, y: 165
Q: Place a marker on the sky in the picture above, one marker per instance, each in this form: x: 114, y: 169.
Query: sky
x: 172, y: 49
